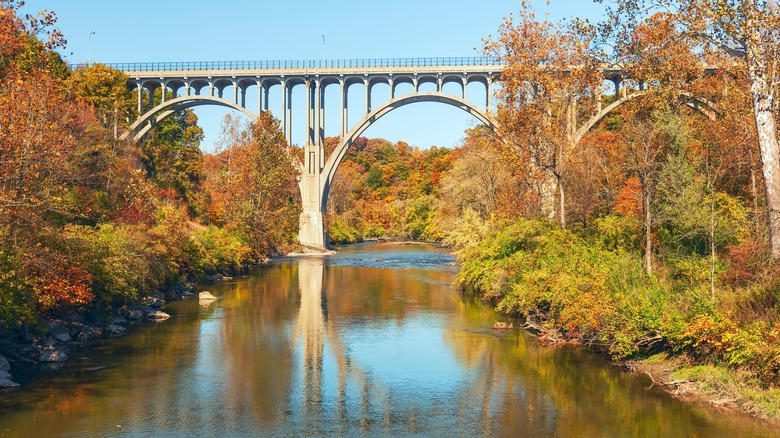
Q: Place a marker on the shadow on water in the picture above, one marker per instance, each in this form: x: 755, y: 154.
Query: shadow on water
x: 370, y: 341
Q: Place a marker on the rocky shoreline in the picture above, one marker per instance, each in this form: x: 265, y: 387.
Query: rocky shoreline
x: 55, y: 339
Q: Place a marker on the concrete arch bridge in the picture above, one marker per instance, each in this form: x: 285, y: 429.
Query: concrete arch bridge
x: 207, y: 83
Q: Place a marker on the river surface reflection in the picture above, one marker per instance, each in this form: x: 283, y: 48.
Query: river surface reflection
x: 371, y: 341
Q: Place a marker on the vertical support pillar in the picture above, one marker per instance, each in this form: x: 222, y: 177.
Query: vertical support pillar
x: 266, y: 91
x: 286, y: 113
x: 211, y: 87
x: 390, y: 82
x: 465, y: 84
x: 344, y: 110
x: 488, y: 86
x: 321, y: 116
x: 311, y: 232
x: 140, y: 89
x: 187, y: 87
x: 235, y: 92
x: 309, y: 115
x: 163, y: 91
x: 260, y: 97
x: 367, y: 82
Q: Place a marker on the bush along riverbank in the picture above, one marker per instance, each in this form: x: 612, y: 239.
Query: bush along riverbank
x: 585, y: 286
x: 132, y: 271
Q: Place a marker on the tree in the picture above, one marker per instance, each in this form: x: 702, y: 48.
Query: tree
x: 646, y: 146
x: 255, y: 184
x: 105, y: 89
x: 173, y: 159
x: 547, y: 71
x: 743, y: 32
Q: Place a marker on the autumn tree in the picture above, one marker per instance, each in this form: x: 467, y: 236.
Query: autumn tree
x: 173, y: 159
x: 254, y: 181
x: 547, y: 72
x: 744, y: 33
x: 105, y: 89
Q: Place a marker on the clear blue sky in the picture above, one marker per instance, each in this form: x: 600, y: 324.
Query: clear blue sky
x: 198, y: 30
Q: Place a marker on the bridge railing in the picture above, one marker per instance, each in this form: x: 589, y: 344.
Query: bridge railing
x: 300, y: 64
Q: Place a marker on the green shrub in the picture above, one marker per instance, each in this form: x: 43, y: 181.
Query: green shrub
x: 217, y: 250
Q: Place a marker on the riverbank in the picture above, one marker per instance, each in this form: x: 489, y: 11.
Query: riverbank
x: 54, y: 340
x: 713, y: 385
x: 587, y: 289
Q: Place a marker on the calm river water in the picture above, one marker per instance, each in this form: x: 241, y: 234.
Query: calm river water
x: 372, y: 341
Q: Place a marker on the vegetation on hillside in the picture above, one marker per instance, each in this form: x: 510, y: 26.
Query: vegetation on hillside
x: 87, y: 220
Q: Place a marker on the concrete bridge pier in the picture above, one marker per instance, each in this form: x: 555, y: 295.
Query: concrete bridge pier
x: 312, y: 231
x: 312, y: 225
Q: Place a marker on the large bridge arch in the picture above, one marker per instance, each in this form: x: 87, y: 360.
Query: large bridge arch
x: 338, y: 154
x: 697, y: 104
x: 153, y: 117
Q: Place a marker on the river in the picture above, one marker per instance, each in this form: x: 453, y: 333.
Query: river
x: 372, y: 341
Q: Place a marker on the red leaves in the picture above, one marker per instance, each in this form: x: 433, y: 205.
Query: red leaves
x: 629, y: 201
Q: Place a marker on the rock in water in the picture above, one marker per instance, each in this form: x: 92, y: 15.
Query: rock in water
x: 48, y: 355
x: 158, y: 316
x: 115, y: 330
x: 206, y: 296
x: 4, y: 365
x: 503, y: 326
x: 5, y: 380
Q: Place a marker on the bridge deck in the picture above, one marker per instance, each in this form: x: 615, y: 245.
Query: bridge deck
x: 406, y: 66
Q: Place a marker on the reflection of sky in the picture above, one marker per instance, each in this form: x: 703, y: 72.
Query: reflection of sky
x: 409, y: 356
x: 394, y: 257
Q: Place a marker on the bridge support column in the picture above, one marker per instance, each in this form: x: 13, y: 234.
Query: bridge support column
x: 311, y: 231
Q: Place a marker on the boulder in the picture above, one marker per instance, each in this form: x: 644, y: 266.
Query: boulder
x: 5, y: 380
x: 158, y: 316
x: 206, y: 296
x: 89, y: 332
x: 135, y: 313
x: 115, y: 330
x: 118, y: 320
x: 154, y: 302
x: 59, y: 331
x: 48, y: 354
x: 4, y: 365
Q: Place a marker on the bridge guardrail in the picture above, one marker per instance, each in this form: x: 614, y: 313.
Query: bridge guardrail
x: 300, y: 64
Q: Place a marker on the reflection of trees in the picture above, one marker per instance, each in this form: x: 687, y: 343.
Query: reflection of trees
x: 272, y: 357
x: 563, y: 391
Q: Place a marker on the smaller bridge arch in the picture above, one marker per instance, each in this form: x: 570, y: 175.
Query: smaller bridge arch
x: 697, y: 104
x: 140, y: 129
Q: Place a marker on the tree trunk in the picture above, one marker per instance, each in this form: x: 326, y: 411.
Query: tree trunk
x: 547, y: 192
x: 648, y: 228
x: 761, y: 95
x: 712, y: 243
x: 561, y: 201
